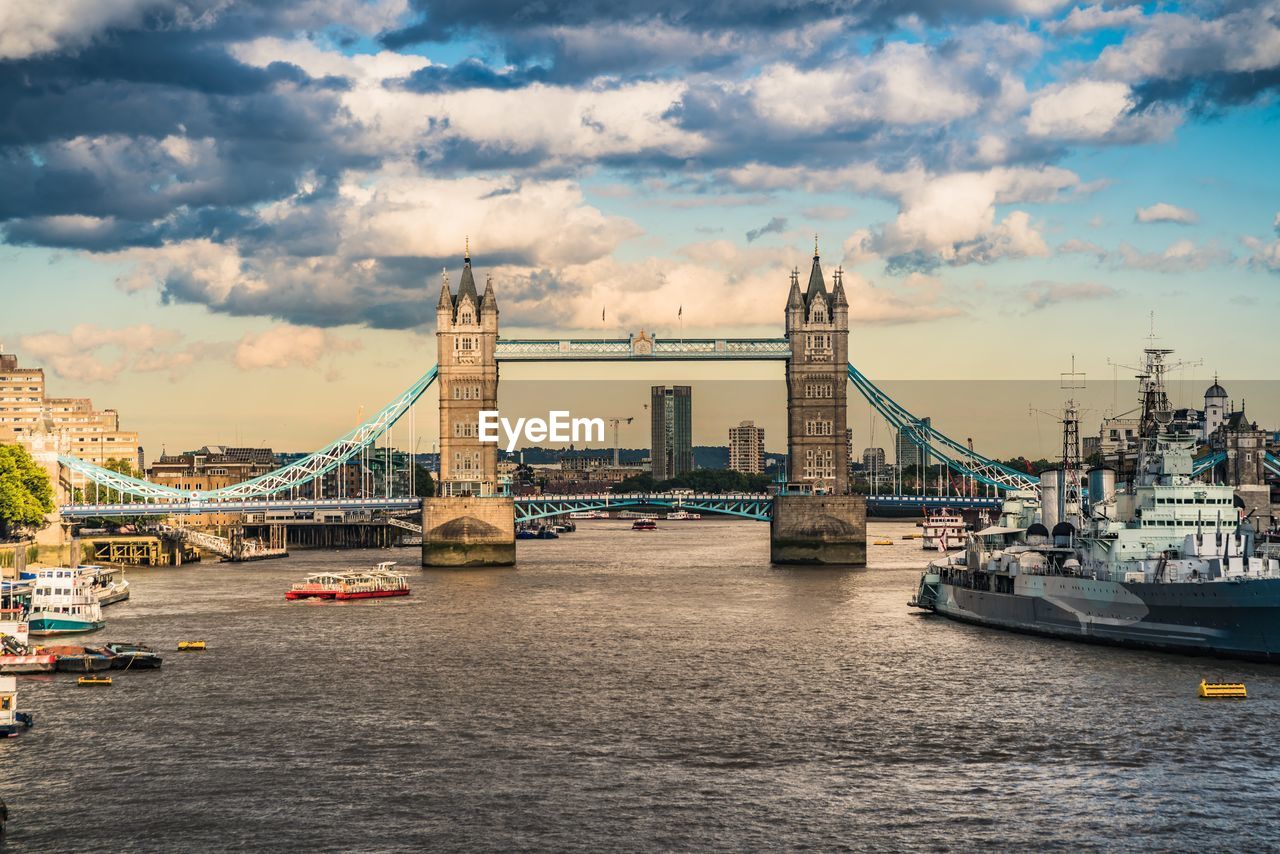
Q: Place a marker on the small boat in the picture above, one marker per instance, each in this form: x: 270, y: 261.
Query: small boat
x: 589, y: 514
x: 644, y: 525
x: 526, y: 534
x: 78, y: 659
x: 191, y: 646
x: 108, y: 582
x: 94, y: 680
x: 63, y: 602
x: 28, y: 663
x: 12, y: 721
x: 943, y: 529
x: 376, y: 583
x: 548, y: 533
x: 683, y: 515
x: 133, y: 656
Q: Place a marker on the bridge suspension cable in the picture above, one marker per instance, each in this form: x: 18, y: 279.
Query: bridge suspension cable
x: 305, y: 470
x: 957, y: 457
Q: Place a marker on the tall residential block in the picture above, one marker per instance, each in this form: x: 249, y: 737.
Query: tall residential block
x: 671, y: 430
x: 746, y: 448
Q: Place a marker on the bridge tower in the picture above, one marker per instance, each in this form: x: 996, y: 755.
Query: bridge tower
x: 466, y: 344
x: 468, y: 523
x: 817, y: 383
x: 815, y: 521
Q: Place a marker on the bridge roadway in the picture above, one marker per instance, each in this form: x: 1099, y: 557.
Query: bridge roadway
x: 528, y: 508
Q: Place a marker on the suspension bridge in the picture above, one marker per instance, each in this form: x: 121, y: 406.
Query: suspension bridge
x: 283, y: 489
x: 814, y: 352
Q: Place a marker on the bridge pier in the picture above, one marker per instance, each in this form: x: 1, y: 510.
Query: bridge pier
x: 468, y: 532
x: 818, y: 530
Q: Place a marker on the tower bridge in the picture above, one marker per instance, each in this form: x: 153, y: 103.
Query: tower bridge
x: 813, y: 519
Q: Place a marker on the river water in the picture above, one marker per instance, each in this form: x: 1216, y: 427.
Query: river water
x: 628, y: 691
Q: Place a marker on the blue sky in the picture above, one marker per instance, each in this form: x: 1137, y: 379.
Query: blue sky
x: 251, y: 202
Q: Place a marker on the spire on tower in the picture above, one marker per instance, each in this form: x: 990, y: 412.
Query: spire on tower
x: 446, y: 295
x: 815, y: 246
x: 466, y: 253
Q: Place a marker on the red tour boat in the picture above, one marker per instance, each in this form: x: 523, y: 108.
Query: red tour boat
x: 371, y: 584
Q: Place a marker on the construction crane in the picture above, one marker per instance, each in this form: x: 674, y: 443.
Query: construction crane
x: 615, y: 422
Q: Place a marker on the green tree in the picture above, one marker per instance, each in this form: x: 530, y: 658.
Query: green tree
x: 26, y: 495
x: 424, y: 485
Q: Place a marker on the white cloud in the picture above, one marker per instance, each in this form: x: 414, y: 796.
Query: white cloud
x: 1170, y: 46
x: 284, y: 346
x: 1084, y: 19
x: 949, y: 218
x: 901, y: 84
x: 91, y: 353
x: 557, y: 123
x: 32, y: 27
x: 1179, y: 257
x: 1266, y: 254
x: 1164, y: 212
x: 1044, y: 294
x: 1092, y: 110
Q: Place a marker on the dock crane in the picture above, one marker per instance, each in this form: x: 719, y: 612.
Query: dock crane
x: 615, y: 422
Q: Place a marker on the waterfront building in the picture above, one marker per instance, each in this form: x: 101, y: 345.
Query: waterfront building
x: 876, y: 468
x: 746, y: 448
x: 72, y: 425
x: 466, y: 347
x: 906, y: 450
x: 671, y: 430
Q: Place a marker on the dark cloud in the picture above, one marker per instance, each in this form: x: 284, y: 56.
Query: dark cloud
x: 1209, y: 94
x: 471, y: 73
x: 776, y: 225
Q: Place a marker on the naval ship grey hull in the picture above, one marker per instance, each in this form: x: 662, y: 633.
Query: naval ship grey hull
x: 1230, y: 620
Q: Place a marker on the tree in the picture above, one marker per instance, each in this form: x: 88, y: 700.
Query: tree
x: 26, y: 495
x: 424, y: 485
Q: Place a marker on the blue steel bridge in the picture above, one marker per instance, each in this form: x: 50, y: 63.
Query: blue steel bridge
x: 286, y: 488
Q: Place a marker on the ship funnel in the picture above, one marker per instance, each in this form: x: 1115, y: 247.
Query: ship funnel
x: 1102, y: 485
x: 1050, y: 488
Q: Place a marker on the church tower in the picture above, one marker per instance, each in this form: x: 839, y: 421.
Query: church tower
x: 817, y: 325
x: 466, y: 345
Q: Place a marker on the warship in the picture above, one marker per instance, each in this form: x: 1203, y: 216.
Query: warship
x: 1162, y: 561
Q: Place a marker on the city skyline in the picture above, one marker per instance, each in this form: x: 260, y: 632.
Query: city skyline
x: 1007, y: 172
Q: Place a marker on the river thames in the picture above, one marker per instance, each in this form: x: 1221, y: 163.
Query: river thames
x: 627, y: 691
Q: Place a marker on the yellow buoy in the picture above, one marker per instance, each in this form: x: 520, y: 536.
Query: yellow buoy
x: 884, y: 542
x: 1228, y: 690
x: 190, y: 646
x: 94, y: 680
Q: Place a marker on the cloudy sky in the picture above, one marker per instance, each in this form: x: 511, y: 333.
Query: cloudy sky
x: 228, y: 218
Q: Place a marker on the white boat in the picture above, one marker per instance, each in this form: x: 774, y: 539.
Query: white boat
x: 108, y: 582
x: 678, y: 515
x: 943, y: 529
x: 589, y: 514
x: 63, y: 601
x: 12, y: 721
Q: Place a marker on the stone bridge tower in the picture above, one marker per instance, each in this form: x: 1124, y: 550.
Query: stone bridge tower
x: 817, y: 383
x: 466, y: 344
x: 468, y: 523
x: 815, y: 521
